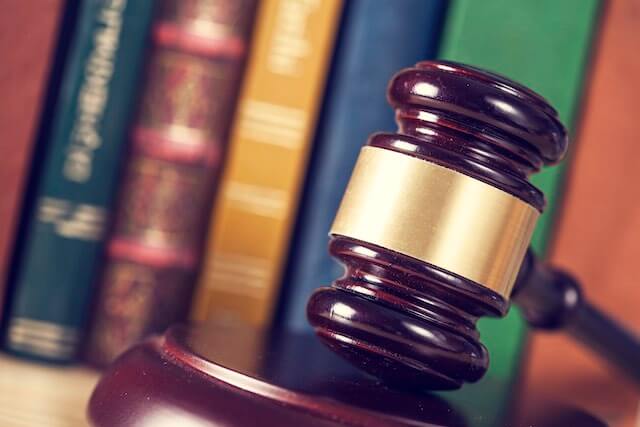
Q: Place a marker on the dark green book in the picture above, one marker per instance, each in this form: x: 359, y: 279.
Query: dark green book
x: 75, y: 181
x: 545, y: 45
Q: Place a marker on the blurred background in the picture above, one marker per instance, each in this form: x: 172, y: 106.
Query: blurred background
x: 165, y: 161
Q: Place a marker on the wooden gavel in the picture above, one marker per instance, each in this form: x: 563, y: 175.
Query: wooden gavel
x: 433, y: 232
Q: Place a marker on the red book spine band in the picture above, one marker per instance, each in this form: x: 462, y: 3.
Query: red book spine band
x: 190, y: 89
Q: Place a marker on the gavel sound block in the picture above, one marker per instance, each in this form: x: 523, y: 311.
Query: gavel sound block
x: 234, y: 375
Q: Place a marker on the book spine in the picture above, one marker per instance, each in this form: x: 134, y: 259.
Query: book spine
x: 74, y: 188
x: 28, y: 64
x: 178, y: 140
x: 406, y: 31
x: 545, y: 45
x: 599, y: 229
x: 271, y: 137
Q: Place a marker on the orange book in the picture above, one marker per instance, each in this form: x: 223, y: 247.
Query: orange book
x: 599, y: 231
x: 253, y: 216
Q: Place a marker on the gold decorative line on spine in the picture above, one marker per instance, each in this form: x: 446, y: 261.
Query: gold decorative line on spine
x: 46, y: 330
x: 437, y: 215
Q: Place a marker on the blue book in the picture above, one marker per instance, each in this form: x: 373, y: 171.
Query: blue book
x: 376, y: 40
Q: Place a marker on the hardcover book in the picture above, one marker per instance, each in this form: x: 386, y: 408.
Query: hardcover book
x: 74, y: 188
x: 270, y: 141
x: 544, y: 45
x: 178, y: 143
x: 355, y: 106
x: 27, y: 65
x: 599, y: 229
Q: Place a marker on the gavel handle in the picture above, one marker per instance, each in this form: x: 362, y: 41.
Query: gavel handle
x: 551, y: 299
x: 607, y: 338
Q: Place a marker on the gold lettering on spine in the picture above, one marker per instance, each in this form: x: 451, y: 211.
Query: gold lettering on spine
x: 94, y: 92
x: 290, y: 44
x: 73, y: 220
x: 437, y: 215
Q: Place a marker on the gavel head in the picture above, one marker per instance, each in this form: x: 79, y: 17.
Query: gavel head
x: 434, y: 225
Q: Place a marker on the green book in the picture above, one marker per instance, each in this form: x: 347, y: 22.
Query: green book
x: 545, y: 45
x: 75, y: 181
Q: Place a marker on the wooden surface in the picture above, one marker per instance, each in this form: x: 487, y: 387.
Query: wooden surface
x: 34, y: 394
x: 598, y: 238
x: 230, y: 374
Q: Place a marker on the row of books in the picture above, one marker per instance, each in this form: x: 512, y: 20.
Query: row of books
x: 191, y: 154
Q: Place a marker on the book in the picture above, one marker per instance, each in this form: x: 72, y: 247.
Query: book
x: 598, y: 235
x: 178, y: 143
x: 76, y: 181
x: 270, y: 142
x: 377, y: 39
x: 28, y: 64
x: 544, y: 45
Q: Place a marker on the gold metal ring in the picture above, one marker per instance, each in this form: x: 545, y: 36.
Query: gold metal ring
x: 437, y: 215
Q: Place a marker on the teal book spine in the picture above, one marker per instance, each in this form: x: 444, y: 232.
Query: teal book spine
x: 76, y: 179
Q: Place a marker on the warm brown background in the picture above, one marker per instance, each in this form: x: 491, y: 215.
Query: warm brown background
x: 598, y: 236
x: 27, y: 38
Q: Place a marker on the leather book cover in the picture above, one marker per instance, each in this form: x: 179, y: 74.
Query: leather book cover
x: 178, y: 142
x: 253, y: 216
x: 598, y: 237
x: 27, y: 60
x: 74, y: 186
x: 546, y: 46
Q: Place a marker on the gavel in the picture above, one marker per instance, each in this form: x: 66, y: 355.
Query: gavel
x: 434, y: 228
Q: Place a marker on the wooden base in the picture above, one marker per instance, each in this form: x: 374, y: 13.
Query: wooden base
x: 224, y: 375
x: 240, y: 377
